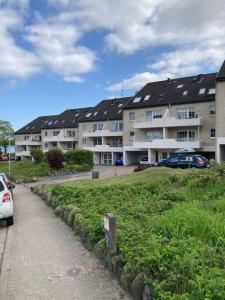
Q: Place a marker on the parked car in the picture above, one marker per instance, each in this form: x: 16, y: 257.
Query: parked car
x: 8, y: 182
x: 6, y: 203
x: 119, y: 161
x: 184, y: 161
x: 3, y: 157
x: 144, y: 160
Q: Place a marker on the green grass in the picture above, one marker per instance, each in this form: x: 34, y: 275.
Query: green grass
x: 28, y: 169
x: 171, y: 226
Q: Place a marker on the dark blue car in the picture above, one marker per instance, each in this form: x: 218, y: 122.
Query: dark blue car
x: 119, y: 161
x: 184, y: 161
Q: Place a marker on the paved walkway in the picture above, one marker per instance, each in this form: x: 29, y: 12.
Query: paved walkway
x: 43, y: 260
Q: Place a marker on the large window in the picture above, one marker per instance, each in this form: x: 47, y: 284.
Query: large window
x: 154, y: 135
x: 155, y: 114
x: 117, y: 142
x: 186, y: 135
x: 132, y: 135
x: 117, y: 126
x: 107, y: 159
x: 56, y: 133
x: 71, y: 133
x: 187, y: 113
x: 97, y: 141
x: 98, y: 126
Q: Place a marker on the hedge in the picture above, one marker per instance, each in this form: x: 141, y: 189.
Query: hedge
x: 80, y: 157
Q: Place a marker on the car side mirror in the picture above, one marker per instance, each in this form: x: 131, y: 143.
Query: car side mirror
x: 12, y: 186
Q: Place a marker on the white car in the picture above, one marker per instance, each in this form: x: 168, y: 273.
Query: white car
x: 6, y: 204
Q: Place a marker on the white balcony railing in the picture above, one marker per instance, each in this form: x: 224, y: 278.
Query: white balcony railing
x: 168, y: 144
x: 103, y: 148
x: 169, y: 122
x: 100, y: 133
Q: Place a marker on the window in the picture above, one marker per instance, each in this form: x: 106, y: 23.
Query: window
x: 46, y: 133
x: 95, y: 113
x: 131, y: 116
x: 180, y: 86
x: 212, y: 110
x: 26, y: 137
x: 117, y: 126
x: 56, y: 133
x: 71, y: 133
x: 46, y: 145
x: 202, y: 91
x: 105, y: 112
x: 119, y: 112
x: 185, y: 93
x: 155, y: 114
x: 107, y: 159
x: 153, y: 135
x: 88, y: 115
x: 98, y: 126
x: 183, y: 136
x: 84, y: 141
x: 97, y: 141
x: 1, y: 187
x: 132, y: 135
x: 117, y: 142
x: 137, y: 99
x: 147, y: 97
x: 187, y: 113
x: 120, y: 105
x: 50, y: 123
x: 212, y: 133
x: 212, y: 91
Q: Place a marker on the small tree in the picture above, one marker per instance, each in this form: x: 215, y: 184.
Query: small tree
x: 38, y: 155
x: 6, y: 131
x: 55, y: 158
x: 80, y: 157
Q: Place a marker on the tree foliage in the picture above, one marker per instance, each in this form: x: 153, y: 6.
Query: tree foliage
x: 37, y: 155
x: 6, y: 131
x: 55, y: 158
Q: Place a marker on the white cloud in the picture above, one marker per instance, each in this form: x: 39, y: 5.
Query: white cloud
x: 137, y: 81
x: 56, y: 46
x: 73, y: 79
x: 14, y: 61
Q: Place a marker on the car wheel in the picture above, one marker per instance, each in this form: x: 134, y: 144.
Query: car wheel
x: 9, y: 221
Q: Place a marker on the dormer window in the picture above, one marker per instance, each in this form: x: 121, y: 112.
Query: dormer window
x: 95, y: 114
x: 185, y: 93
x: 88, y: 115
x: 120, y: 105
x: 119, y: 112
x: 212, y: 91
x: 202, y: 91
x: 147, y: 97
x: 180, y: 86
x: 105, y: 112
x: 137, y: 100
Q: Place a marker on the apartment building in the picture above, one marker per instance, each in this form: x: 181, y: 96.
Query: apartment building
x: 164, y: 117
x: 101, y: 130
x: 174, y: 115
x: 62, y: 131
x: 29, y: 137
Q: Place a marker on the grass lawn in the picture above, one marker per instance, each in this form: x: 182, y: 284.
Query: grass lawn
x: 171, y: 226
x: 28, y: 169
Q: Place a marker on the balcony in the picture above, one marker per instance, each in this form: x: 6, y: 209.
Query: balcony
x: 29, y: 142
x: 100, y: 133
x: 61, y: 137
x: 23, y: 153
x: 168, y: 144
x: 169, y: 122
x: 103, y: 148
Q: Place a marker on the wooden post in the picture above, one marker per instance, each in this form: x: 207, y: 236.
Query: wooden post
x: 110, y: 233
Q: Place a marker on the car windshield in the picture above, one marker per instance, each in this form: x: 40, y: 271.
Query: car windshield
x: 1, y: 186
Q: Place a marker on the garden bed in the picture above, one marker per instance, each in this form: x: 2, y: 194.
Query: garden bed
x: 171, y: 229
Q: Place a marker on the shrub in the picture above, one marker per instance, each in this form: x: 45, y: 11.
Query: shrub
x: 55, y: 158
x: 37, y: 155
x: 80, y: 157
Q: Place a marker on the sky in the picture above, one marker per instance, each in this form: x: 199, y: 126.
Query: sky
x: 61, y: 54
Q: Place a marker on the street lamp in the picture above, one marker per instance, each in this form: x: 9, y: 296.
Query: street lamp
x: 10, y: 139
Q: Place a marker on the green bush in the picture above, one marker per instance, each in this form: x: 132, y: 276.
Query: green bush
x: 80, y: 157
x: 38, y: 155
x: 172, y: 229
x: 55, y: 158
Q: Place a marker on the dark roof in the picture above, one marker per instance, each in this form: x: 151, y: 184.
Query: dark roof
x: 110, y: 109
x: 35, y: 126
x: 171, y: 91
x: 221, y: 75
x: 68, y: 119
